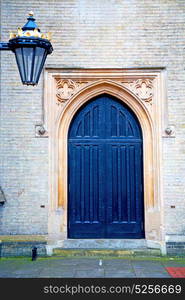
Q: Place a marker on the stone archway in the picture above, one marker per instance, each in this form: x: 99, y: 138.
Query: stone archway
x: 70, y: 90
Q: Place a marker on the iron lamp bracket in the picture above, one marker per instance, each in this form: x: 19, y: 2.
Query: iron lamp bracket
x: 5, y: 47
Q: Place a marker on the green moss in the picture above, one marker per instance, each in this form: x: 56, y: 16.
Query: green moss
x: 19, y: 259
x: 92, y: 252
x: 22, y: 238
x: 105, y: 253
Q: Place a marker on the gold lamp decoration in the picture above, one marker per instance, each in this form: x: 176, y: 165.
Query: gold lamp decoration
x: 30, y: 29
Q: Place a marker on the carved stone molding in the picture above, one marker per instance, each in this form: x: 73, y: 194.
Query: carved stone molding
x: 142, y: 88
x: 66, y: 88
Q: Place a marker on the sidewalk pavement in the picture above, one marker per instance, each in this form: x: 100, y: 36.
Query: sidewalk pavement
x: 86, y: 268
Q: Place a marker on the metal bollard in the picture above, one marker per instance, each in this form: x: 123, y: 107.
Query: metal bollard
x: 34, y: 253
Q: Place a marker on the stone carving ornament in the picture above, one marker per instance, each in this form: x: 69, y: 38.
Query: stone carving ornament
x: 66, y: 88
x: 143, y: 88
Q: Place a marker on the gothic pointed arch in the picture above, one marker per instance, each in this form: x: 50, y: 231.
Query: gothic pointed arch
x: 143, y: 92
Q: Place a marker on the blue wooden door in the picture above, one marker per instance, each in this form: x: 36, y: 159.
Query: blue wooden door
x: 105, y: 196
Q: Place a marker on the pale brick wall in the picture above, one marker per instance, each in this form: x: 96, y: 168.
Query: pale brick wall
x: 88, y: 34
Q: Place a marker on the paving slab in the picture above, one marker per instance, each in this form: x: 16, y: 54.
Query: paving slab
x: 96, y: 273
x: 117, y: 262
x: 120, y: 274
x: 85, y: 268
x: 151, y: 274
x: 173, y: 264
x: 53, y: 274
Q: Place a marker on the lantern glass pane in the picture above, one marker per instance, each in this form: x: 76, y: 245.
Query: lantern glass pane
x: 20, y: 63
x: 40, y: 57
x: 28, y: 58
x: 25, y: 59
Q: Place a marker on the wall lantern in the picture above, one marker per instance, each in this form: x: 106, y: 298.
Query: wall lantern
x: 31, y: 48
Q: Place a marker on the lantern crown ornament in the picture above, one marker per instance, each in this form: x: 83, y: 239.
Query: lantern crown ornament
x: 31, y: 48
x: 30, y: 29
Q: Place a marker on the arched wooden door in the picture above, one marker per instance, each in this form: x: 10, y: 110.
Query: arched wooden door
x: 105, y: 195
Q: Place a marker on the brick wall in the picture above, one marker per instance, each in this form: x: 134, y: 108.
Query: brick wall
x: 88, y: 34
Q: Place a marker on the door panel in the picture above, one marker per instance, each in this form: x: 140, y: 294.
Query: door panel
x: 105, y: 172
x: 124, y: 194
x: 86, y: 200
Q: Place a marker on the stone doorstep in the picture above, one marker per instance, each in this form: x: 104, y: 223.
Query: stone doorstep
x: 61, y: 252
x: 102, y: 244
x: 102, y: 247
